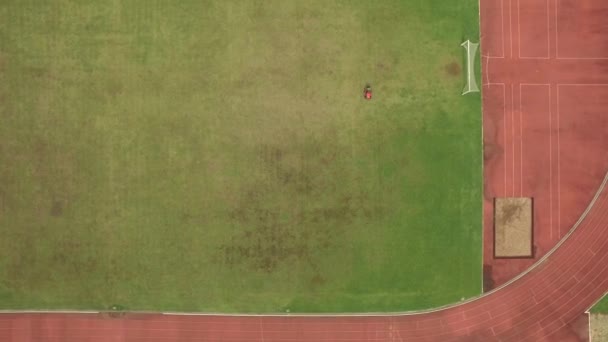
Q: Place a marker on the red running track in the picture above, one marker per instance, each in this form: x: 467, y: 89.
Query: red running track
x: 545, y: 91
x: 543, y: 304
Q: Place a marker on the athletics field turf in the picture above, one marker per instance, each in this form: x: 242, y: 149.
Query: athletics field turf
x: 218, y: 155
x: 601, y: 306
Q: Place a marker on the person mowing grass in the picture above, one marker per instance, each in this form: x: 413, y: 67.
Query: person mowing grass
x: 367, y: 92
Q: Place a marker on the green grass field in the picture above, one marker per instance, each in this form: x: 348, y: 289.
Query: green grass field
x: 601, y: 306
x: 218, y: 155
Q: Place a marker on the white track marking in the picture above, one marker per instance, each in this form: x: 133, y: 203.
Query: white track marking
x: 559, y: 148
x: 521, y: 149
x: 548, y: 30
x: 487, y: 69
x: 504, y: 115
x: 482, y: 142
x: 584, y: 58
x: 519, y: 35
x: 589, y: 326
x: 504, y: 120
x: 550, y: 167
x: 521, y: 85
x: 518, y: 31
x: 511, y: 26
x: 502, y: 28
x: 557, y: 40
x: 582, y: 84
x: 559, y: 202
x: 262, y: 328
x: 513, y: 145
x: 394, y: 333
x: 556, y: 30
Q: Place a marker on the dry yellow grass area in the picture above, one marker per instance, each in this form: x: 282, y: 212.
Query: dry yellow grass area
x: 513, y: 227
x: 599, y: 328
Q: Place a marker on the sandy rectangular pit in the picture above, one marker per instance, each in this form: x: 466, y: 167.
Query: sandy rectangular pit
x: 513, y: 229
x: 599, y: 327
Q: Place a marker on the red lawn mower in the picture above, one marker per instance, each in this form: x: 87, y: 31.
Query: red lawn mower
x: 367, y: 92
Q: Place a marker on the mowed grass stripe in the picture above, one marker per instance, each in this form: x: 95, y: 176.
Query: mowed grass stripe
x: 218, y: 156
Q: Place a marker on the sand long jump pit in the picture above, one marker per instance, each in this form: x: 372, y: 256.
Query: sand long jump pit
x: 513, y: 227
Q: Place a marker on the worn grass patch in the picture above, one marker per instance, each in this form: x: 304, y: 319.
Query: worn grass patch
x: 217, y: 155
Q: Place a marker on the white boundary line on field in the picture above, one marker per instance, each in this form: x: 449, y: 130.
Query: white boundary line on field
x: 504, y: 136
x: 512, y: 143
x: 550, y: 151
x: 521, y: 148
x: 486, y: 73
x: 556, y: 29
x: 519, y: 35
x: 502, y: 27
x: 262, y: 329
x: 559, y: 202
x: 557, y: 40
x: 559, y: 181
x: 583, y: 58
x: 550, y: 165
x: 481, y: 289
x: 582, y: 84
x: 589, y: 326
x: 549, y: 33
x: 504, y: 120
x: 511, y: 26
x: 502, y: 30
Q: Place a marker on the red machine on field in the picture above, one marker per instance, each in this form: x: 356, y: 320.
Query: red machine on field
x: 367, y: 92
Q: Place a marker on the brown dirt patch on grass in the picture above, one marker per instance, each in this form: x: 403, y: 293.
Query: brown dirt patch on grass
x: 56, y: 209
x: 453, y: 69
x: 293, y: 209
x: 513, y: 227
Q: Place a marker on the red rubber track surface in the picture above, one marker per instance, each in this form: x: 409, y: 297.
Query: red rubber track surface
x: 544, y: 304
x: 545, y: 85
